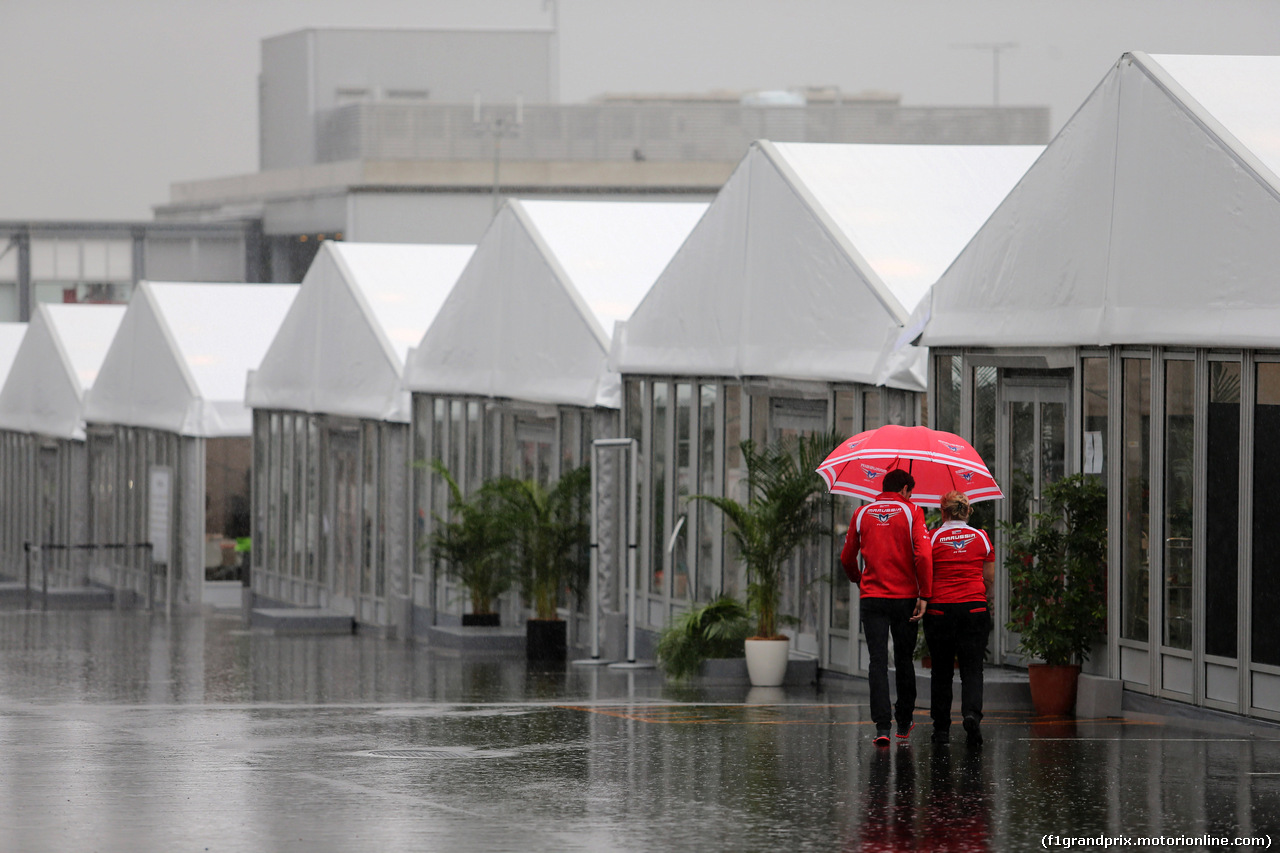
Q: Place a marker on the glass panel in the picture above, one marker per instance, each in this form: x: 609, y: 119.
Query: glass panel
x: 273, y: 498
x: 314, y: 566
x: 569, y: 439
x: 657, y: 497
x: 947, y: 372
x: 684, y: 474
x: 708, y: 519
x: 475, y: 446
x: 1053, y: 444
x: 1222, y: 507
x: 285, y: 542
x: 1135, y: 563
x: 1096, y: 393
x: 1179, y: 469
x: 1265, y: 597
x: 1022, y: 449
x: 300, y: 497
x: 984, y: 414
x: 735, y: 483
x: 369, y: 504
x: 872, y: 409
x: 261, y: 445
x: 421, y: 481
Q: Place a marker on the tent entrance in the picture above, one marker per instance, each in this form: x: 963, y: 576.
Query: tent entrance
x: 1034, y: 439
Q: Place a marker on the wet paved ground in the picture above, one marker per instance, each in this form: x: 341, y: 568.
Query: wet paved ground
x: 121, y: 732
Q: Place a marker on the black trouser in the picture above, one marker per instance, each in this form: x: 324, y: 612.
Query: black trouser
x: 956, y: 632
x: 880, y: 618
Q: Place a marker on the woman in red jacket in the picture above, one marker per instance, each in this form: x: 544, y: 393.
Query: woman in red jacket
x: 957, y: 619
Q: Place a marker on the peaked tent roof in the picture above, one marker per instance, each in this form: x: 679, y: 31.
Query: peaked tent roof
x: 180, y: 359
x: 342, y: 347
x: 1153, y: 217
x: 811, y: 258
x: 532, y: 315
x: 57, y: 363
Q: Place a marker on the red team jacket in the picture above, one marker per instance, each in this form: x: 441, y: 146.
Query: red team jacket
x: 891, y: 536
x: 958, y: 554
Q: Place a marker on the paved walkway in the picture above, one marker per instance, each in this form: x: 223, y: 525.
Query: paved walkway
x: 123, y: 732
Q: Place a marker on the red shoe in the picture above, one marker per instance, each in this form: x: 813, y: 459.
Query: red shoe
x: 881, y: 738
x: 903, y: 734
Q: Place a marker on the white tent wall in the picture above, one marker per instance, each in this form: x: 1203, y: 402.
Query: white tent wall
x: 777, y: 318
x: 172, y: 380
x: 1117, y: 313
x: 480, y: 439
x: 331, y: 430
x: 42, y: 419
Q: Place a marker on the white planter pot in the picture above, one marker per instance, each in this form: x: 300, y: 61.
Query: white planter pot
x: 767, y: 662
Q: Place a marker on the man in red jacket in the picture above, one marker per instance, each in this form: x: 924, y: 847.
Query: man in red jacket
x: 894, y: 583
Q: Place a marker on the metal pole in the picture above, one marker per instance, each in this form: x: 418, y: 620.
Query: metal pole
x: 633, y: 495
x: 595, y: 555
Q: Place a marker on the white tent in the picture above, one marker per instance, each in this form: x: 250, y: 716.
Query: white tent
x: 532, y: 314
x: 342, y: 347
x: 11, y: 335
x: 57, y: 363
x: 812, y: 257
x: 1152, y: 218
x: 180, y: 360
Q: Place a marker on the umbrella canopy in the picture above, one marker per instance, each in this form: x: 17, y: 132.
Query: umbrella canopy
x: 939, y: 461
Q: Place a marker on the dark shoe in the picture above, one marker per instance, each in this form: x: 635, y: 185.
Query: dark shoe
x: 973, y: 731
x: 882, y: 737
x: 940, y: 736
x: 904, y: 731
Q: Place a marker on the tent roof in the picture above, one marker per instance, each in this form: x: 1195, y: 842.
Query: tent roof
x: 532, y: 314
x: 812, y: 256
x: 58, y: 361
x: 342, y: 347
x: 1153, y: 217
x: 180, y: 359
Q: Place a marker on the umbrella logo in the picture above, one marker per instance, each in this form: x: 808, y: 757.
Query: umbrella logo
x: 954, y: 448
x: 967, y: 476
x: 853, y: 445
x: 871, y: 473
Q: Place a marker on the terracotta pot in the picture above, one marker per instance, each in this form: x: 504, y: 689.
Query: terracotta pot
x: 767, y: 661
x: 1053, y: 688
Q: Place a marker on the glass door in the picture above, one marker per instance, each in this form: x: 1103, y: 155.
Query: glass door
x: 341, y: 528
x: 1035, y: 439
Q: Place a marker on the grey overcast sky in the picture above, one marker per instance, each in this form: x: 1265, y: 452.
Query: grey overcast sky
x: 107, y: 102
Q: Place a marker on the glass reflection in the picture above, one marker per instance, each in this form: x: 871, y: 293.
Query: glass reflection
x: 1179, y: 471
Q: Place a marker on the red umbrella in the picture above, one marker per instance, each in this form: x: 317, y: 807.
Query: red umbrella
x: 939, y: 462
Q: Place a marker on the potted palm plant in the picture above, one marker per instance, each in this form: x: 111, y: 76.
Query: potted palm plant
x: 1057, y: 565
x: 782, y: 512
x: 472, y: 546
x: 714, y: 630
x: 549, y: 531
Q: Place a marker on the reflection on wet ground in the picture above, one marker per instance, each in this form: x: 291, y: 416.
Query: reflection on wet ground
x: 123, y: 732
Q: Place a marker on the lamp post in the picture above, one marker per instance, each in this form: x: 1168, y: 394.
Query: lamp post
x: 497, y: 126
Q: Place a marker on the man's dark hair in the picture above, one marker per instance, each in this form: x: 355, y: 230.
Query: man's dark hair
x: 896, y: 479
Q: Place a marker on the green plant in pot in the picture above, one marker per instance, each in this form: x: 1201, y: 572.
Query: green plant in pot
x: 1057, y: 565
x: 714, y: 630
x: 549, y: 530
x: 473, y: 548
x: 782, y: 512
